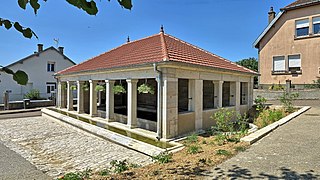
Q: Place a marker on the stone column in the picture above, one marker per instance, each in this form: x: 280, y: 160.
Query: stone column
x: 220, y: 93
x: 170, y: 107
x: 250, y: 92
x: 62, y: 94
x: 198, y: 103
x: 69, y: 96
x: 132, y: 103
x: 215, y: 94
x: 93, y: 98
x: 109, y: 100
x: 238, y: 96
x: 80, y: 96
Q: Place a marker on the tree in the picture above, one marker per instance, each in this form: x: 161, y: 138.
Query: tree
x: 250, y: 63
x: 89, y: 7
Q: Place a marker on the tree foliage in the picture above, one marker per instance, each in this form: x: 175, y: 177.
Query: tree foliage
x: 250, y: 63
x: 89, y: 7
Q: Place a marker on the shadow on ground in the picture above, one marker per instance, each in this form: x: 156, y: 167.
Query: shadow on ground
x: 242, y: 173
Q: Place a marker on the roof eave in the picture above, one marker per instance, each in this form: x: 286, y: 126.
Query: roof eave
x: 266, y: 30
x: 300, y: 6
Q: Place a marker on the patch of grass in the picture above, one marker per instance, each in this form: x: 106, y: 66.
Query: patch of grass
x: 164, y: 157
x: 119, y: 166
x: 194, y: 149
x: 223, y: 152
x: 104, y: 172
x: 133, y: 165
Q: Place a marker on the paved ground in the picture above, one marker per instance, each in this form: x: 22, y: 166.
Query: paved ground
x: 56, y: 148
x: 19, y: 115
x: 290, y: 152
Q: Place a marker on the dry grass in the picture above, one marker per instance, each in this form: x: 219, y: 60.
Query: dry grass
x: 185, y: 165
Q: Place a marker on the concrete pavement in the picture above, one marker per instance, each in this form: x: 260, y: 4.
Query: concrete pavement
x: 290, y: 152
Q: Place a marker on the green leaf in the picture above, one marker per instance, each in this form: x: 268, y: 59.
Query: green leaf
x: 23, y: 3
x: 27, y: 33
x: 21, y: 77
x: 18, y: 27
x: 7, y: 70
x: 125, y: 3
x: 35, y: 5
x: 7, y: 24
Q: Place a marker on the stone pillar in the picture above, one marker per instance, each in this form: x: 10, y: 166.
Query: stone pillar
x: 215, y: 94
x: 232, y: 101
x: 170, y: 107
x: 80, y: 96
x: 238, y: 96
x: 93, y: 98
x: 132, y: 103
x: 69, y: 96
x: 62, y: 94
x: 198, y: 103
x: 220, y: 93
x: 250, y: 92
x: 109, y: 100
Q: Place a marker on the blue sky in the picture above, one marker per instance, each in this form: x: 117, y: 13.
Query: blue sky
x: 224, y: 27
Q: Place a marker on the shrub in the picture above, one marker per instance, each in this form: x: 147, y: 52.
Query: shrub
x: 223, y: 118
x: 164, y: 157
x: 260, y: 103
x: 119, y: 166
x: 34, y: 94
x: 276, y: 87
x: 220, y: 138
x: 194, y: 149
x: 268, y: 116
x: 286, y: 100
x: 193, y: 138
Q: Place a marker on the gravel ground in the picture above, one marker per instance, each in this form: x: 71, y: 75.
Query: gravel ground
x: 56, y: 148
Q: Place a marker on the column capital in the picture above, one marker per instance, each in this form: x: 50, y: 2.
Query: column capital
x: 132, y: 80
x: 80, y: 82
x: 217, y: 81
x: 109, y: 81
x: 93, y: 81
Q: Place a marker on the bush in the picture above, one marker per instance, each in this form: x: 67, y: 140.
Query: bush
x: 286, y: 100
x: 34, y: 94
x: 192, y: 138
x: 164, y: 157
x: 268, y: 116
x: 260, y: 103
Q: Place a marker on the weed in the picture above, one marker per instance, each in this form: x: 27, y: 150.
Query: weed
x: 119, y: 166
x: 104, y: 172
x: 192, y: 138
x: 260, y: 103
x: 86, y: 173
x: 220, y: 139
x: 194, y: 149
x: 164, y: 157
x: 223, y: 152
x: 240, y: 148
x: 204, y: 142
x: 72, y: 176
x: 133, y: 165
x: 286, y: 100
x: 268, y: 116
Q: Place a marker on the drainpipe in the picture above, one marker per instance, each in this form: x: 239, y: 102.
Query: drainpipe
x: 159, y: 104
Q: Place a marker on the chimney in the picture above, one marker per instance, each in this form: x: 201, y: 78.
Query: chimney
x: 40, y: 47
x: 271, y: 15
x: 61, y: 49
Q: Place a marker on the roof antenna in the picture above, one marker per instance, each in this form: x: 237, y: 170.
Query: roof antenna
x: 161, y: 29
x: 128, y: 39
x: 56, y: 41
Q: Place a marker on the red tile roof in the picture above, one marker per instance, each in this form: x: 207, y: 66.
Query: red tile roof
x: 301, y: 3
x: 157, y: 48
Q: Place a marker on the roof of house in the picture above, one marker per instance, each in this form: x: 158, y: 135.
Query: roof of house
x: 153, y: 49
x: 295, y: 5
x: 37, y: 54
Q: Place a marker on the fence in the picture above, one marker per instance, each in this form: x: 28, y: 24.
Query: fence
x: 304, y: 94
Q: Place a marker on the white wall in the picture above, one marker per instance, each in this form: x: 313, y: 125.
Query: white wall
x: 36, y: 68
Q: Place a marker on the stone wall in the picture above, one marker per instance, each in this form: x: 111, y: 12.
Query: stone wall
x: 273, y: 95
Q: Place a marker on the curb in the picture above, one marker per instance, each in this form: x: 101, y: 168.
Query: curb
x: 254, y: 137
x: 19, y: 111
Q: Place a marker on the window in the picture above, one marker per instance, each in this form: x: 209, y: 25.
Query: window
x: 244, y: 93
x: 51, y: 87
x: 302, y: 27
x: 183, y: 95
x: 208, y: 95
x: 50, y: 67
x: 316, y: 25
x: 279, y: 63
x: 294, y: 63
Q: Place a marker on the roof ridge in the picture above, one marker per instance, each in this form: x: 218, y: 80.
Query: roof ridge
x: 106, y: 52
x: 208, y: 52
x: 164, y: 47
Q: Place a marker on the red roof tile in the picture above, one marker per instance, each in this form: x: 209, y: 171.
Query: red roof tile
x: 156, y: 48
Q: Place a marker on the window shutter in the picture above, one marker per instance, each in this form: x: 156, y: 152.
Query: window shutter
x: 294, y: 61
x: 279, y: 63
x: 302, y: 23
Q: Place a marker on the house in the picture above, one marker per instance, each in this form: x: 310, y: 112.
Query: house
x: 189, y: 85
x: 40, y: 68
x: 289, y: 47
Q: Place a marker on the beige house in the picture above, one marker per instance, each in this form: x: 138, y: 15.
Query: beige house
x: 289, y: 48
x: 189, y: 85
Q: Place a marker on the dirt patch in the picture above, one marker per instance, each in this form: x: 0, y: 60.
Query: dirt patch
x: 185, y: 165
